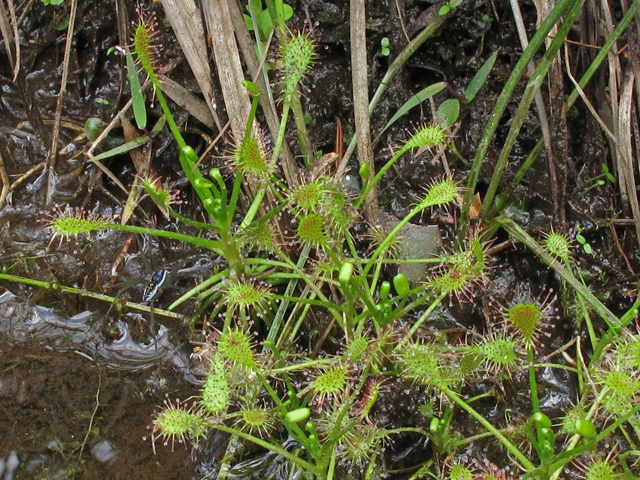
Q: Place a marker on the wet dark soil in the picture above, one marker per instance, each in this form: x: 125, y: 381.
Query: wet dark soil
x: 80, y: 381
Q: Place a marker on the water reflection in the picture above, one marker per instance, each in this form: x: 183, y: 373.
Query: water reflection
x: 22, y: 325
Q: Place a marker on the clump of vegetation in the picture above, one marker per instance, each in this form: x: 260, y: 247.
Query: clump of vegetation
x: 301, y: 255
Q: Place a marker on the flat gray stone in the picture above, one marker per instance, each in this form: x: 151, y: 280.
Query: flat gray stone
x: 417, y: 241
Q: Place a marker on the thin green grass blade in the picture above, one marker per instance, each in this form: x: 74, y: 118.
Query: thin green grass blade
x: 417, y: 99
x: 135, y: 143
x: 501, y: 104
x: 480, y: 78
x: 137, y: 99
x: 534, y: 84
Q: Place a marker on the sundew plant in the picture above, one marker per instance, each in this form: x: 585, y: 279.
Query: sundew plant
x: 320, y: 403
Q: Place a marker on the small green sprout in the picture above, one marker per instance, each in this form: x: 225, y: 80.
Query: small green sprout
x: 599, y: 180
x: 583, y: 241
x: 448, y: 7
x: 263, y: 18
x: 384, y: 44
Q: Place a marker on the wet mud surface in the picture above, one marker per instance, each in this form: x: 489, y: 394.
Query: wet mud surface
x: 80, y: 381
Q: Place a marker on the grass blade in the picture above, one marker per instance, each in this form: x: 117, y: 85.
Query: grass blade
x: 480, y: 78
x: 418, y: 98
x: 137, y: 99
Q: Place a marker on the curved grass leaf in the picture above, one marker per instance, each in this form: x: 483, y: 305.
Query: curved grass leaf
x: 418, y: 98
x: 122, y: 148
x: 480, y: 78
x: 137, y: 99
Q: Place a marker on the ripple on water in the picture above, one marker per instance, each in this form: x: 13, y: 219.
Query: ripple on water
x: 23, y: 325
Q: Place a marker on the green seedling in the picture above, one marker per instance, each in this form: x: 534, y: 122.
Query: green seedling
x: 600, y: 179
x: 384, y: 47
x: 583, y: 241
x: 263, y: 17
x: 448, y: 7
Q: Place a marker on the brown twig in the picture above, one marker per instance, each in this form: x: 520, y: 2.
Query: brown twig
x: 23, y: 178
x: 6, y: 186
x: 404, y: 30
x: 624, y: 255
x: 53, y: 152
x: 541, y: 110
x: 361, y: 101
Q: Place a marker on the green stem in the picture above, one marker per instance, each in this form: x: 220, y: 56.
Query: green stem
x: 503, y: 100
x: 213, y: 245
x: 434, y: 22
x: 252, y: 114
x: 282, y: 307
x: 425, y: 315
x: 288, y: 263
x: 385, y: 243
x: 273, y: 448
x: 255, y: 206
x: 88, y: 294
x: 283, y: 127
x: 593, y: 337
x: 527, y: 98
x: 518, y: 232
x: 302, y: 366
x: 524, y: 461
x: 535, y: 402
x: 278, y: 7
x: 303, y: 135
x: 233, y: 201
x: 627, y: 318
x: 199, y: 288
x: 167, y: 113
x: 191, y: 223
x: 317, y: 303
x: 517, y: 178
x: 369, y: 186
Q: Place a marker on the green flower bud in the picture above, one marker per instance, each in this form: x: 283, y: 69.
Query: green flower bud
x: 297, y: 415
